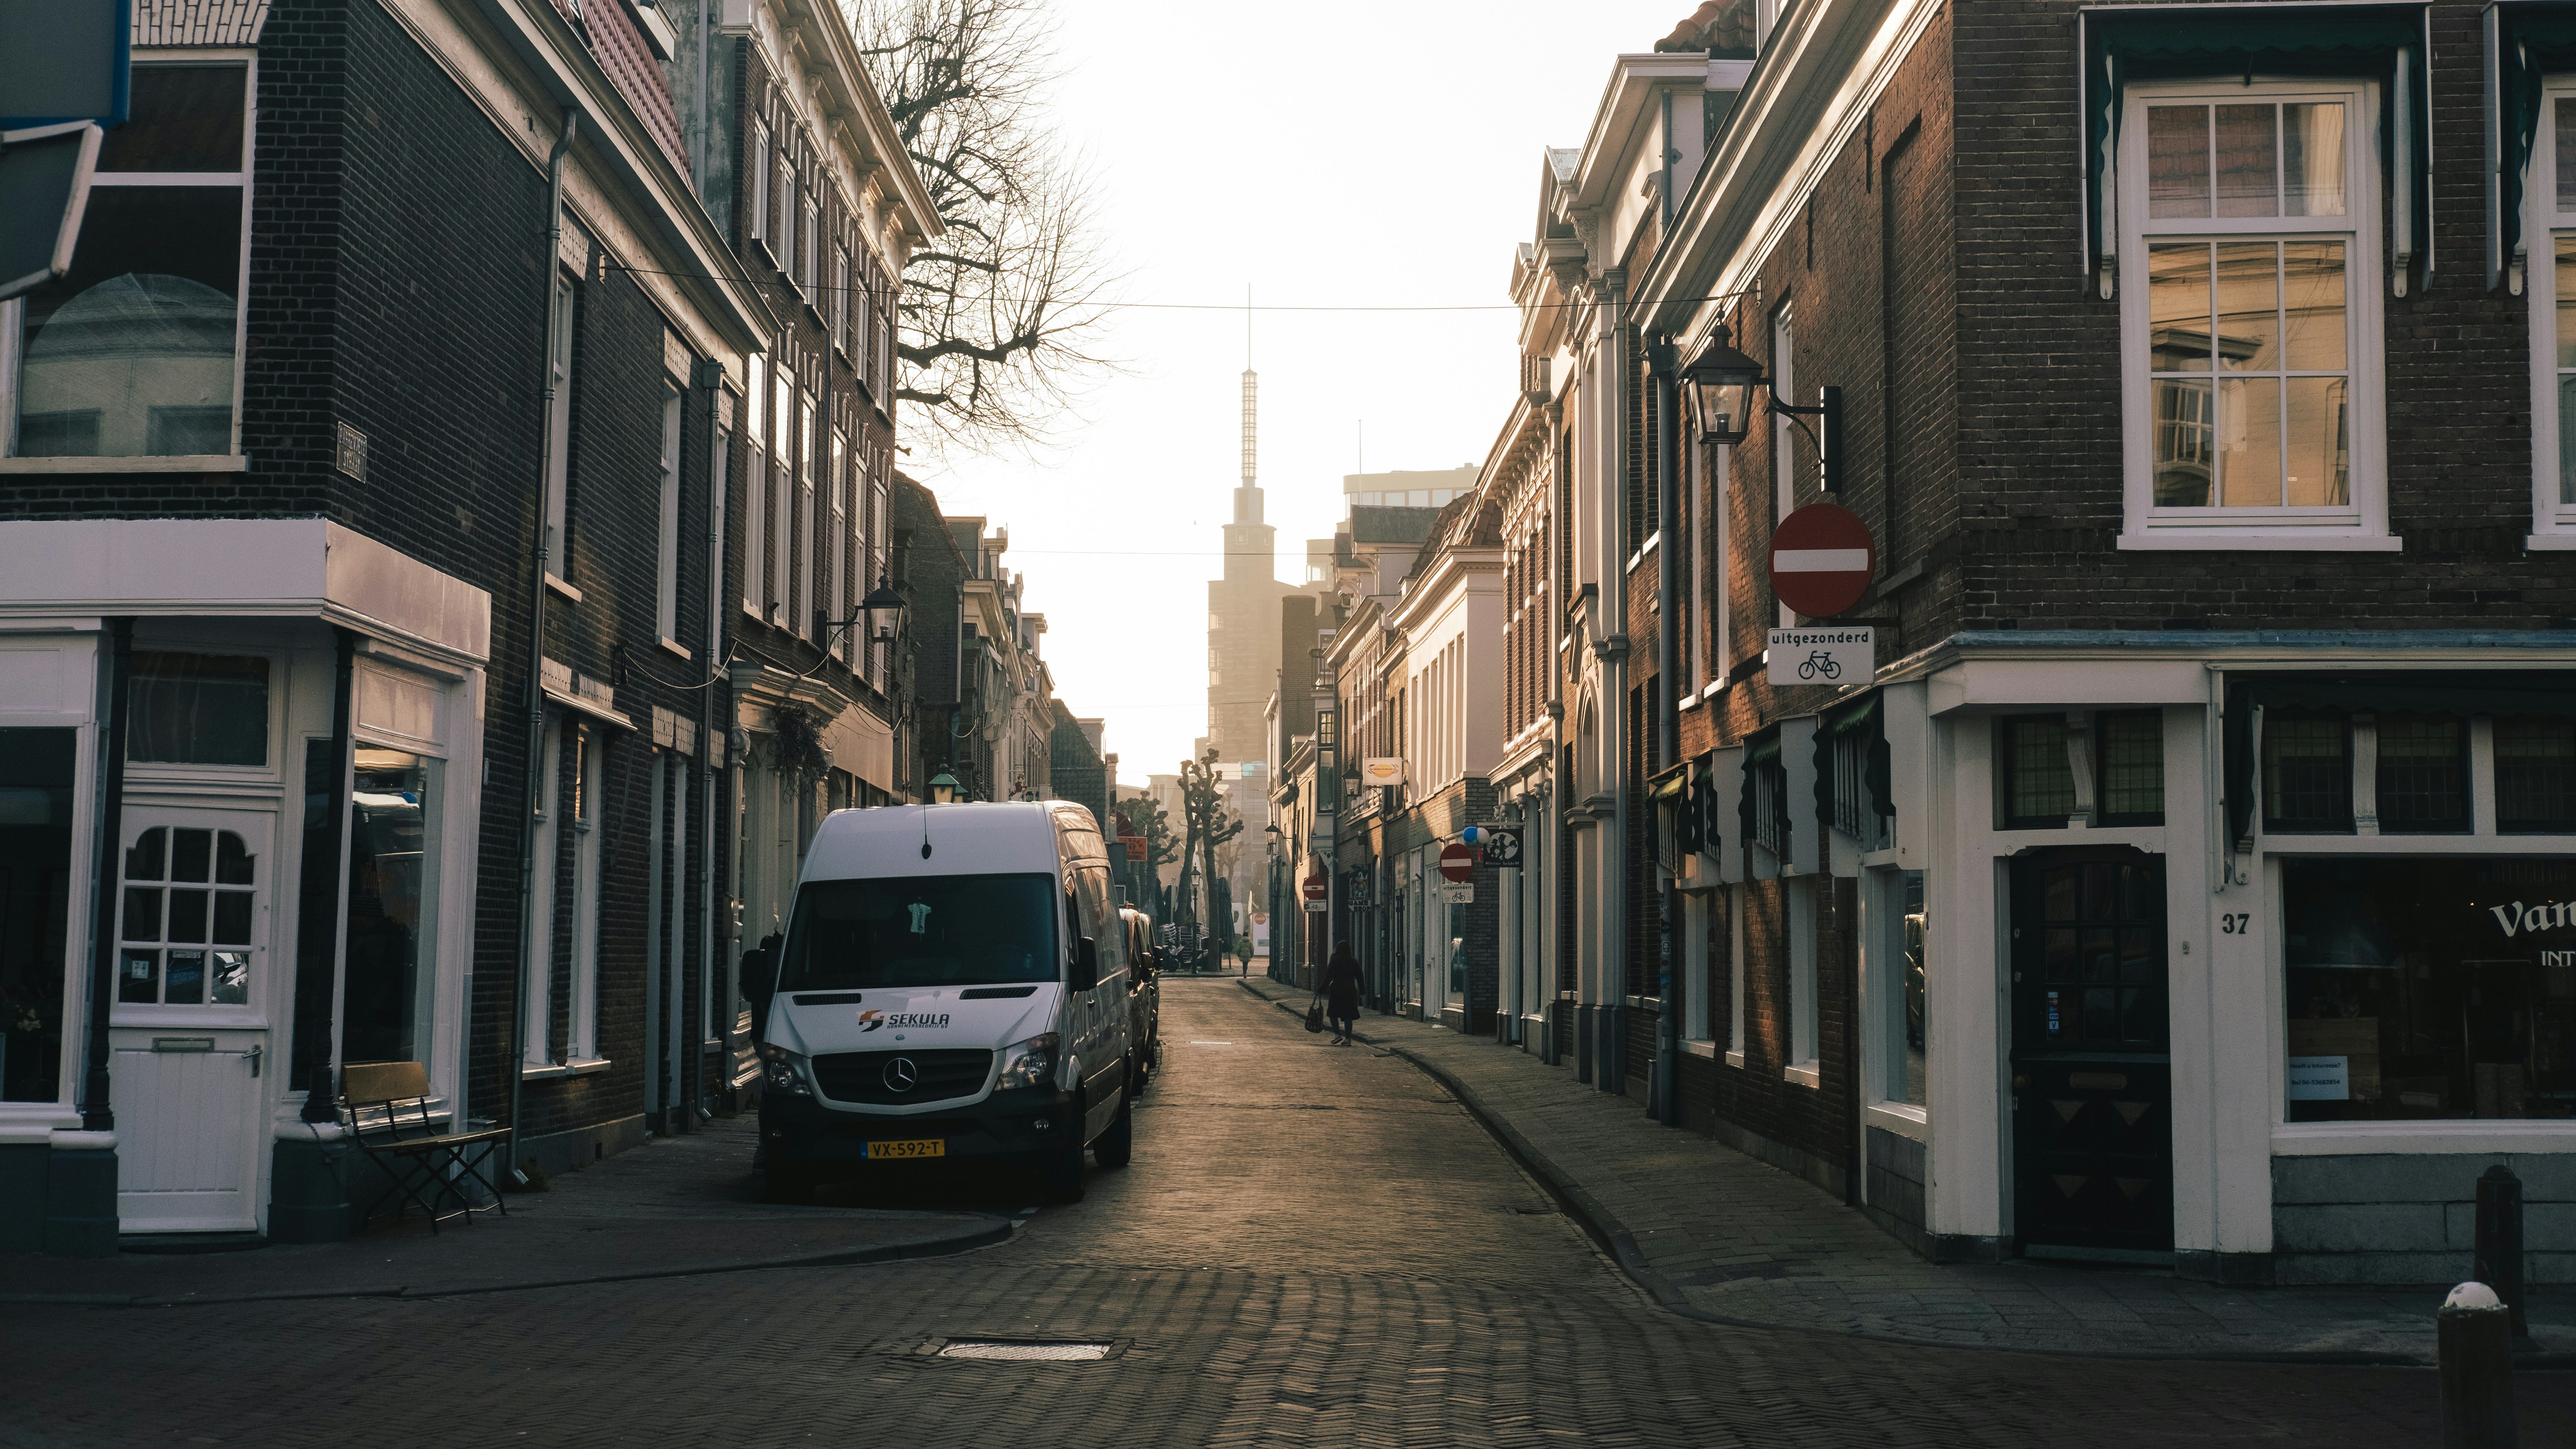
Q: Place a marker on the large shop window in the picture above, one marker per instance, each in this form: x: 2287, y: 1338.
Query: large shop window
x: 2434, y: 987
x: 393, y: 855
x: 2240, y: 161
x: 133, y: 352
x: 36, y: 769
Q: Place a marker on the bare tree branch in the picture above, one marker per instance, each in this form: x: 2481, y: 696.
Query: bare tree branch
x: 998, y: 364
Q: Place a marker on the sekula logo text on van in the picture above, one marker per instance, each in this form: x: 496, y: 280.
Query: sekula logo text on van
x: 929, y: 1021
x: 2518, y: 918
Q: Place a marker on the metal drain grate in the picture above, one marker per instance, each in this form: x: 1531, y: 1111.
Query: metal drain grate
x: 1004, y: 1348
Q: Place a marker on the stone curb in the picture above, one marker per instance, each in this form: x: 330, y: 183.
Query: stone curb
x: 1604, y: 1227
x: 934, y: 1247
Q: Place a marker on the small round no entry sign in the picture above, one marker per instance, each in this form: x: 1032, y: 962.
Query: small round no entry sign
x: 1457, y: 861
x: 1822, y: 559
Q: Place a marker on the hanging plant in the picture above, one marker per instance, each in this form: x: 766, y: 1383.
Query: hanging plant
x: 800, y: 741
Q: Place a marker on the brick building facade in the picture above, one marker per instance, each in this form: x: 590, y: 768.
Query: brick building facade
x: 389, y: 498
x: 2169, y: 893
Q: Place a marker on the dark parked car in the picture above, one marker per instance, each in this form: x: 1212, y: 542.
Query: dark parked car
x: 1144, y: 994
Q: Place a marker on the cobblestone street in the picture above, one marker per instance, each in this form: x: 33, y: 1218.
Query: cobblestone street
x: 1311, y: 1246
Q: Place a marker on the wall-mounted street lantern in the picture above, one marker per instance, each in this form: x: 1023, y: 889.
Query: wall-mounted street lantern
x: 1720, y: 384
x: 943, y: 789
x: 880, y: 617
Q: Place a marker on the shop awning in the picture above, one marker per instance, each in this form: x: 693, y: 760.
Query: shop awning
x: 2391, y: 43
x: 2524, y: 44
x: 1760, y: 753
x: 1863, y: 717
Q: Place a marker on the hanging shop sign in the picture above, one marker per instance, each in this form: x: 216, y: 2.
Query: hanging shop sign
x: 1501, y: 844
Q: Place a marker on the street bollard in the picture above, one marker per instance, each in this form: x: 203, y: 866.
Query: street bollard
x: 2473, y: 1331
x: 2499, y: 1251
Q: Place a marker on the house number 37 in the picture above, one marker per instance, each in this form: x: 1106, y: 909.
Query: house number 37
x: 2234, y: 924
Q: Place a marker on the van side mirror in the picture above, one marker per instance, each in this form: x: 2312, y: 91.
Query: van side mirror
x: 1084, y: 973
x: 760, y: 977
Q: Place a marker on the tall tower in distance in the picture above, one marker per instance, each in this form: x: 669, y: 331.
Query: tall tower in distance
x: 1243, y: 639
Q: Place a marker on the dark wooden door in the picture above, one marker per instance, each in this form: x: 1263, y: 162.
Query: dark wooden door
x: 2092, y: 1074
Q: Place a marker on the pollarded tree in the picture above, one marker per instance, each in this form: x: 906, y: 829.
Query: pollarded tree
x: 1001, y: 316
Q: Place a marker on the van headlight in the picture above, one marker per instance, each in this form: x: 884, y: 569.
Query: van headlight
x: 1028, y: 1063
x: 784, y: 1071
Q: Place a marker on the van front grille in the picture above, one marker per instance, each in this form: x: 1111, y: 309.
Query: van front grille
x: 870, y: 1077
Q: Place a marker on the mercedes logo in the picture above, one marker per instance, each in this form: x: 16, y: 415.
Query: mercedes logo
x: 901, y: 1075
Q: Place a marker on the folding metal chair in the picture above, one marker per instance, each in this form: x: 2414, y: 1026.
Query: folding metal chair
x: 387, y: 1109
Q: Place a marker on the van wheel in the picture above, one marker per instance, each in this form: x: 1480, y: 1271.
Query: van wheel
x: 1118, y: 1143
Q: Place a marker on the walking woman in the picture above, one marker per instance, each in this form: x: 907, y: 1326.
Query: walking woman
x: 1342, y: 993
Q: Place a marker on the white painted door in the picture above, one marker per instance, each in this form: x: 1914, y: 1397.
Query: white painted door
x: 190, y: 1029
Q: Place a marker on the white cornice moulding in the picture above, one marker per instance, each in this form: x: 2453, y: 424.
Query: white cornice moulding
x: 293, y: 567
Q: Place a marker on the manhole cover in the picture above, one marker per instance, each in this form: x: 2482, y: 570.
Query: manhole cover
x: 1004, y: 1348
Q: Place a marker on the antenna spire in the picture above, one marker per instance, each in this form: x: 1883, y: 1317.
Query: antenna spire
x: 1251, y: 393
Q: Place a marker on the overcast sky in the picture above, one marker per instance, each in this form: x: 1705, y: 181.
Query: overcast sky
x: 1335, y: 154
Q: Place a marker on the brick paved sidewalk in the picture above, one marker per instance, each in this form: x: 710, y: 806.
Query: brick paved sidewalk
x: 1719, y: 1235
x: 672, y: 1206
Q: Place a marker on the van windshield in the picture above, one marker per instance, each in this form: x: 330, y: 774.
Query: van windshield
x: 941, y: 930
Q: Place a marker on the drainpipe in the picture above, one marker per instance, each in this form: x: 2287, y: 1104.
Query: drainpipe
x: 720, y: 479
x: 97, y: 1113
x: 1660, y: 358
x: 513, y: 1050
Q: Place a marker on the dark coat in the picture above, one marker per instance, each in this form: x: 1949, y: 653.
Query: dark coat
x: 1342, y: 986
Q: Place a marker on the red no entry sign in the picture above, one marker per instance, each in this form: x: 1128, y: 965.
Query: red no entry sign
x: 1458, y: 862
x: 1822, y: 559
x: 1317, y: 888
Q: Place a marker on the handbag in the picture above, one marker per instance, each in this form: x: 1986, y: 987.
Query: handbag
x: 1315, y: 1014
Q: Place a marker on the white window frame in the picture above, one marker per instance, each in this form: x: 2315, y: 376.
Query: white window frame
x: 809, y: 260
x: 755, y: 414
x: 582, y: 1028
x: 841, y: 540
x: 1882, y: 937
x: 759, y: 166
x: 1694, y: 1002
x: 808, y: 436
x: 1805, y: 1066
x: 2553, y: 523
x: 666, y: 563
x: 2361, y: 525
x: 782, y: 465
x: 12, y: 312
x: 566, y: 302
x: 841, y: 298
x: 536, y: 1028
x: 1735, y: 974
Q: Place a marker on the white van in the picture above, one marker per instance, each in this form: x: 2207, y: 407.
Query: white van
x: 952, y: 984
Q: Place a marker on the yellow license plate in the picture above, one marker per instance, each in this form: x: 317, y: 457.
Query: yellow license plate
x: 919, y: 1147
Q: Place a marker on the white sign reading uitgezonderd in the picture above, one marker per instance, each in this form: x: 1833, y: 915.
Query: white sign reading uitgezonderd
x: 1825, y: 656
